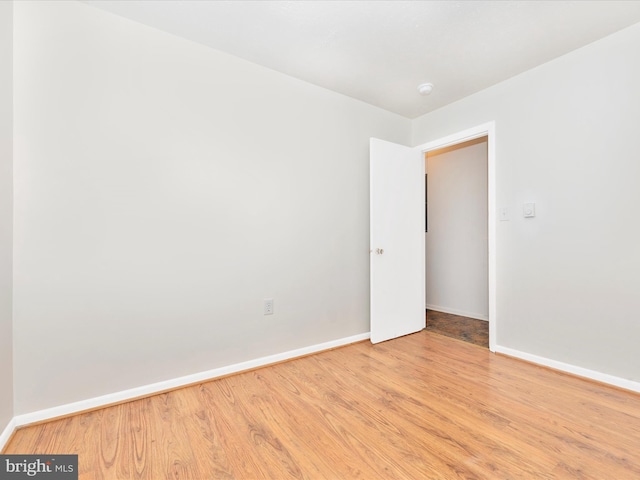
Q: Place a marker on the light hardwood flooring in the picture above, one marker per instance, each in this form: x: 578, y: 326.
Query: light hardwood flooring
x: 422, y: 406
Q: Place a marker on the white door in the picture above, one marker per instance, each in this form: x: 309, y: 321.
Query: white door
x: 397, y: 240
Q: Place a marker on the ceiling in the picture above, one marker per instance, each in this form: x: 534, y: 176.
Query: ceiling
x: 379, y: 51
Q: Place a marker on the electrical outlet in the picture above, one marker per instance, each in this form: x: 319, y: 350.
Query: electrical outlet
x: 268, y: 306
x: 529, y: 210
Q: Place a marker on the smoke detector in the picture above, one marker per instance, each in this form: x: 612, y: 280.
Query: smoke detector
x: 425, y: 88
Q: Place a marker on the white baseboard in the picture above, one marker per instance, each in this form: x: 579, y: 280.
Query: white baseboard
x: 7, y: 432
x: 453, y: 311
x: 574, y: 370
x: 133, y: 393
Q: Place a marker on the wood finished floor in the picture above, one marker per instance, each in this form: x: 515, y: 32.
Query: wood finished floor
x: 463, y: 328
x: 422, y: 406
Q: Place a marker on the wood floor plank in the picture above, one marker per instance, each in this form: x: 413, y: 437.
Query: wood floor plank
x: 448, y: 423
x: 361, y: 429
x: 421, y: 406
x: 554, y: 414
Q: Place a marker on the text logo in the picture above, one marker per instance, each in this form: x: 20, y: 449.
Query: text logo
x: 44, y: 467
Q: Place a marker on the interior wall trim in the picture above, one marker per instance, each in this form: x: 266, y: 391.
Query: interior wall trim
x: 167, y: 385
x: 6, y: 433
x: 155, y: 388
x: 572, y: 369
x: 453, y: 311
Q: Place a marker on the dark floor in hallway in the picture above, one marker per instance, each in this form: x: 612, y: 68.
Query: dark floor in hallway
x: 463, y: 328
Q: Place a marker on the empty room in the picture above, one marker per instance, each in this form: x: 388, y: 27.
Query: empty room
x: 222, y: 227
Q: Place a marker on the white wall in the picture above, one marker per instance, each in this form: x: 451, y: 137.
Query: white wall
x: 566, y: 138
x: 164, y: 189
x: 456, y: 247
x: 6, y: 212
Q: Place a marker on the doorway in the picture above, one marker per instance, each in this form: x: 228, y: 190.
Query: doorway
x: 456, y: 241
x: 487, y: 131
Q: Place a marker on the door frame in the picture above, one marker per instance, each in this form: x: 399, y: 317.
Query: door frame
x: 488, y: 130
